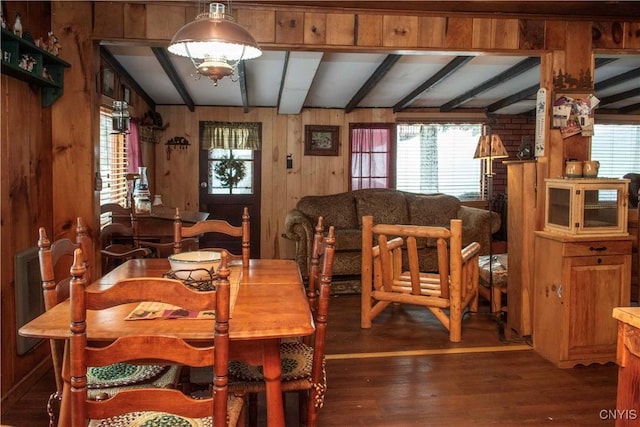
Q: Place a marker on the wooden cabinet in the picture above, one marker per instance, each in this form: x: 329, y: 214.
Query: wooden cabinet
x: 47, y: 71
x: 578, y: 282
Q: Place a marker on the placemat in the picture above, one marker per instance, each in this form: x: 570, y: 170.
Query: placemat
x: 148, y: 310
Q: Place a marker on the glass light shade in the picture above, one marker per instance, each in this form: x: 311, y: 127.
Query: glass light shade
x: 120, y: 118
x: 214, y: 35
x: 493, y: 149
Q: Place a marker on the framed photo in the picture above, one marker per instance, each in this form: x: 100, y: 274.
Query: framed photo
x: 108, y: 83
x: 126, y: 94
x: 321, y: 140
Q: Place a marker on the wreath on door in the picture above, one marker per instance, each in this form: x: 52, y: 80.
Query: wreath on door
x: 230, y: 171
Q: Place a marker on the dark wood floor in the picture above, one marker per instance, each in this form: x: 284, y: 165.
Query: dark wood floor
x: 405, y: 372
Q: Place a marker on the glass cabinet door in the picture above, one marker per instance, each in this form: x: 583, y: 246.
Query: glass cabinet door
x: 600, y: 208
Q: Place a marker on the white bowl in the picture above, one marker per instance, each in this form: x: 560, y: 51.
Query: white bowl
x: 195, y: 264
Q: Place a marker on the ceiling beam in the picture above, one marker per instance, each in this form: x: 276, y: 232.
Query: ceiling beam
x: 438, y: 77
x: 621, y: 78
x: 629, y: 109
x: 300, y: 72
x: 112, y: 62
x: 512, y: 72
x: 243, y: 86
x: 619, y: 97
x: 372, y: 81
x: 512, y: 99
x: 163, y: 58
x: 284, y: 74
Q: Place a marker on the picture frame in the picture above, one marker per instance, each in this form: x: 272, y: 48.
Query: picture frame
x: 108, y: 83
x: 126, y: 94
x: 321, y: 140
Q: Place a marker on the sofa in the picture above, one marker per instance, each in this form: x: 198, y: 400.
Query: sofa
x: 344, y: 211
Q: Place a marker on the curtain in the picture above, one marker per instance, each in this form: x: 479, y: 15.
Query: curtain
x: 134, y: 152
x: 370, y: 158
x: 231, y: 136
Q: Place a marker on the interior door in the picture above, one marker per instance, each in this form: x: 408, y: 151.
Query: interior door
x: 229, y: 181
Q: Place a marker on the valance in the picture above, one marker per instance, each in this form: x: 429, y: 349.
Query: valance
x: 231, y: 136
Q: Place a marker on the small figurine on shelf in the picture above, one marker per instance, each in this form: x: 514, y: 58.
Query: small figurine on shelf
x: 52, y: 45
x: 27, y: 62
x: 17, y: 25
x: 3, y: 22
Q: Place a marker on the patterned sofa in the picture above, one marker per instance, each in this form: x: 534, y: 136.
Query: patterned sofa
x: 345, y: 211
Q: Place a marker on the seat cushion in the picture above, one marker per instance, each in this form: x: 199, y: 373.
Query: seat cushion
x: 296, y: 357
x: 348, y: 240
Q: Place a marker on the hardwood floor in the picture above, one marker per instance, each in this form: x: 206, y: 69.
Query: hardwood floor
x: 404, y: 372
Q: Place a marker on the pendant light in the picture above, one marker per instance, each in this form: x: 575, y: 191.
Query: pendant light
x: 214, y: 43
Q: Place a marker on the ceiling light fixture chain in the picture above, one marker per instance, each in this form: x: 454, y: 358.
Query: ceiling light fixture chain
x: 215, y: 44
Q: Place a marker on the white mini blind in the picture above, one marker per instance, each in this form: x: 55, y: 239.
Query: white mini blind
x: 113, y: 162
x: 438, y: 158
x: 617, y: 148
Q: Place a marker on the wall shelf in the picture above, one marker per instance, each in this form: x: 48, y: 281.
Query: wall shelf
x: 14, y: 47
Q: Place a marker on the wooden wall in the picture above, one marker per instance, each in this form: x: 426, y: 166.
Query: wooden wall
x: 48, y: 157
x: 25, y: 187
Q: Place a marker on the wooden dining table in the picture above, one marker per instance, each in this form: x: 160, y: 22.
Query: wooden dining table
x: 270, y: 305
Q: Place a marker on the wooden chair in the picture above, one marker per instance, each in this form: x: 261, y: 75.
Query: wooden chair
x: 133, y: 405
x: 119, y: 243
x: 303, y: 362
x: 384, y: 278
x: 55, y: 261
x: 216, y: 226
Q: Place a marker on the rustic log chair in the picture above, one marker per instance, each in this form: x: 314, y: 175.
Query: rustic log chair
x: 216, y: 226
x: 166, y: 406
x: 384, y: 278
x: 303, y: 362
x: 55, y: 260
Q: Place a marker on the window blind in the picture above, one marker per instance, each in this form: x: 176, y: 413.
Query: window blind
x: 617, y: 148
x: 438, y: 158
x: 113, y: 163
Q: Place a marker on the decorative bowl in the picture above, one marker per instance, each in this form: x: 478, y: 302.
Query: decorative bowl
x: 195, y: 265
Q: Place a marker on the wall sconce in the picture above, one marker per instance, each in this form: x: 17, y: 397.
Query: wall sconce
x: 120, y: 118
x: 176, y: 142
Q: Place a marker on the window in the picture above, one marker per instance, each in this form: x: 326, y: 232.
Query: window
x: 417, y: 157
x: 438, y: 158
x: 230, y: 171
x: 113, y: 165
x: 617, y: 148
x: 371, y: 153
x: 113, y: 162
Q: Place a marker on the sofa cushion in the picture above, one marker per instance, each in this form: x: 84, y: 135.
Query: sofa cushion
x: 432, y: 209
x: 338, y: 210
x: 386, y: 206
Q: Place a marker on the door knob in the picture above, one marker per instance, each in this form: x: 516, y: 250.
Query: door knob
x: 203, y: 185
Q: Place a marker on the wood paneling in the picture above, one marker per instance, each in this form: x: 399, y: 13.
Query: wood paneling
x: 289, y: 27
x: 340, y: 29
x: 400, y: 31
x: 369, y: 30
x: 315, y: 28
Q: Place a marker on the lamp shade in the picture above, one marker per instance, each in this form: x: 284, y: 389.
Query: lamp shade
x: 490, y: 147
x: 214, y: 35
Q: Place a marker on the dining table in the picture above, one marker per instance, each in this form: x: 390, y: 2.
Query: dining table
x: 269, y: 304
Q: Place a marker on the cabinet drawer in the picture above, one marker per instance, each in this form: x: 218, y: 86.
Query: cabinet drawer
x: 591, y: 248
